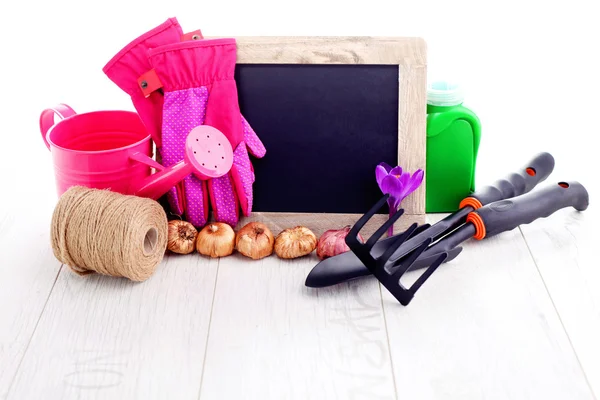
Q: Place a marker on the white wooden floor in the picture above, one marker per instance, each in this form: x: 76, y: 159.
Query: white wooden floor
x: 514, y: 317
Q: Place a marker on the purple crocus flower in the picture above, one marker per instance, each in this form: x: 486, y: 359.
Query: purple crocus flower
x: 398, y: 184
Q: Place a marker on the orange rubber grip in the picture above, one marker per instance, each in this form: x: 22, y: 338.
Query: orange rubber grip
x: 470, y: 202
x: 477, y: 221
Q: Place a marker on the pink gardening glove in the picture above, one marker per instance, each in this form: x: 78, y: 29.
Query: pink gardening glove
x: 199, y: 88
x: 131, y: 62
x: 127, y: 66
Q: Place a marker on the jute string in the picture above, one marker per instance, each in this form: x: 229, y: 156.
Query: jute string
x: 109, y: 233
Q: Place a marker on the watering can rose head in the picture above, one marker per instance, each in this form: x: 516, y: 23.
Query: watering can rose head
x: 397, y: 183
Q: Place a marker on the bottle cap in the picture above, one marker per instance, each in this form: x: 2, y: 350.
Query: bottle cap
x: 444, y: 93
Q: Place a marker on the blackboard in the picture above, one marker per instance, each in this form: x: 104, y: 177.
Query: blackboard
x: 329, y: 109
x: 325, y: 128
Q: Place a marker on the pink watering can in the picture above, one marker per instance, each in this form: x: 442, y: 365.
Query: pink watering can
x: 112, y: 150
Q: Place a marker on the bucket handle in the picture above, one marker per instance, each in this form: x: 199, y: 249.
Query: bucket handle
x: 47, y: 118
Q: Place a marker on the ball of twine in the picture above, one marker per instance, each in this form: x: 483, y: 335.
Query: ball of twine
x: 109, y: 233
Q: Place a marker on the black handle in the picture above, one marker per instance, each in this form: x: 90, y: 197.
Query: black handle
x: 518, y: 183
x: 505, y: 215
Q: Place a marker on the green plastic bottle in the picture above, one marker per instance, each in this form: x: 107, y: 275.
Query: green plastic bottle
x: 453, y: 136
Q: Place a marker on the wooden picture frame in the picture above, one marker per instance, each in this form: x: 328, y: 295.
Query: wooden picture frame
x: 410, y: 54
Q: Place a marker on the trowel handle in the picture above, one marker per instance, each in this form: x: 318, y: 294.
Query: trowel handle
x: 516, y: 184
x: 505, y: 215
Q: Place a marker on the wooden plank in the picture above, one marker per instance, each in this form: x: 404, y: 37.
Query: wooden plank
x: 331, y: 50
x: 273, y: 338
x: 109, y: 338
x: 412, y: 125
x: 319, y: 223
x: 564, y: 247
x: 28, y: 271
x: 483, y: 326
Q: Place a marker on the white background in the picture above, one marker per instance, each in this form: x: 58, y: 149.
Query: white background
x: 512, y: 318
x: 530, y: 67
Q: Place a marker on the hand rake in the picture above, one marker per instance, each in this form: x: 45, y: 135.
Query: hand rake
x: 428, y: 247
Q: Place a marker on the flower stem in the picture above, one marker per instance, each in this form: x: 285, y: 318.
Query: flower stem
x: 393, y: 210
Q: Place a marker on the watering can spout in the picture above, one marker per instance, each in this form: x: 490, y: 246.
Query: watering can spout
x: 161, y: 182
x: 208, y: 154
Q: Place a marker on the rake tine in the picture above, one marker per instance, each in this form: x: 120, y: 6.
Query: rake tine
x: 425, y: 260
x: 383, y: 228
x: 403, y: 295
x: 428, y: 273
x: 353, y: 234
x: 419, y: 229
x: 385, y: 257
x: 399, y: 269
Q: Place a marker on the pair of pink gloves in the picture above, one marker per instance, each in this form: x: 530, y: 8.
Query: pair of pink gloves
x: 196, y: 87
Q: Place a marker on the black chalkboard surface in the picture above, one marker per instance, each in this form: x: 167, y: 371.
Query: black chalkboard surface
x: 325, y: 127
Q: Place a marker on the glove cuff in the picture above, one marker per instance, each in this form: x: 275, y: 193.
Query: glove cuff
x: 132, y: 60
x: 190, y: 64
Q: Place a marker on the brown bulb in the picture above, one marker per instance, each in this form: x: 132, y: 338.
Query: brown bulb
x: 181, y: 237
x: 216, y: 239
x: 295, y: 242
x: 255, y: 240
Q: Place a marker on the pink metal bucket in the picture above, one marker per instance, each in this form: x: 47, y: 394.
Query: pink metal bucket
x: 112, y: 150
x: 93, y: 149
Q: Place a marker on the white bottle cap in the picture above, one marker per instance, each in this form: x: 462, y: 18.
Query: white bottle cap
x: 444, y: 93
